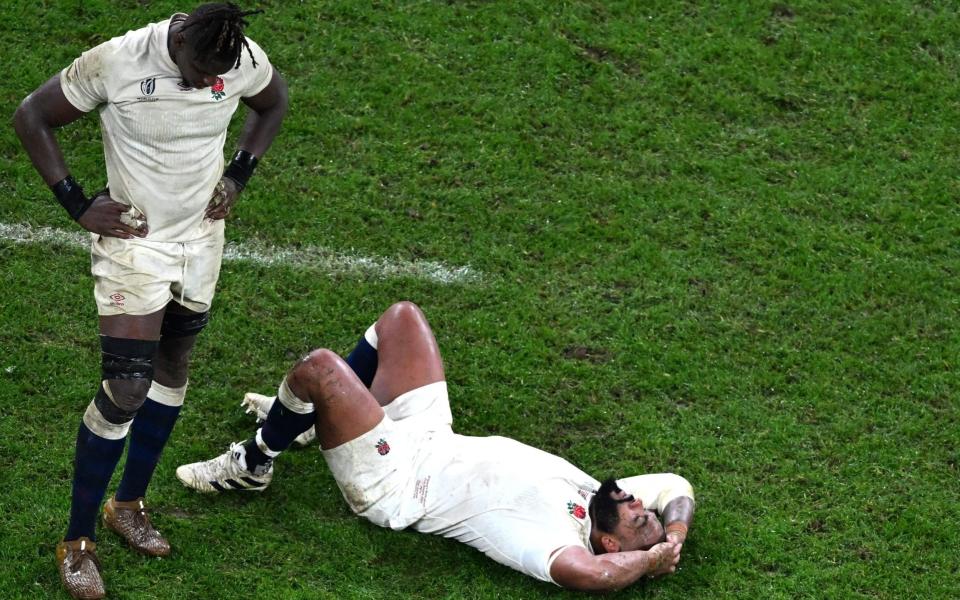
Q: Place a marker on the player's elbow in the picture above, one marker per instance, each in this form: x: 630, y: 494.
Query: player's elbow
x: 23, y: 116
x: 283, y: 98
x: 29, y: 119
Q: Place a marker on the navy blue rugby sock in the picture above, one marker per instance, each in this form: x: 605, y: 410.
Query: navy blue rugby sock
x: 148, y: 435
x: 281, y: 428
x: 363, y: 358
x: 283, y: 424
x: 93, y: 464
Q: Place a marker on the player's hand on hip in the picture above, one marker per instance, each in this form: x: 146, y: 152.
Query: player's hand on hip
x: 113, y: 219
x: 665, y: 555
x: 224, y: 195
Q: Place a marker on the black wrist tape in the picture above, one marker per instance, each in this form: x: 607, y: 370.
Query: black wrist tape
x: 70, y: 195
x: 241, y: 168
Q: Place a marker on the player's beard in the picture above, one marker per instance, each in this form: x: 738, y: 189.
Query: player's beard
x: 652, y: 532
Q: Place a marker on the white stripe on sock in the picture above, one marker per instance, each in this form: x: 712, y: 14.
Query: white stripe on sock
x: 95, y: 422
x: 167, y: 396
x: 286, y: 397
x: 371, y: 336
x: 263, y: 445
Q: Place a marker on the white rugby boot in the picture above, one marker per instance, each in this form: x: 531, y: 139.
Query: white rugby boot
x: 226, y: 472
x: 259, y: 405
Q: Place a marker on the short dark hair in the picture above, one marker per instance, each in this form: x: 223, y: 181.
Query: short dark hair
x: 604, y: 511
x: 215, y: 32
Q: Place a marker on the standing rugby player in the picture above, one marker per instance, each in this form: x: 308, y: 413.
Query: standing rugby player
x: 165, y: 94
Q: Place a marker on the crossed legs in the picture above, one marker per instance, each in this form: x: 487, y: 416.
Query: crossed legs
x: 324, y: 390
x: 408, y: 359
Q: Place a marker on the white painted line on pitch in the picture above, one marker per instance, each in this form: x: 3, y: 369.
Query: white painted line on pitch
x: 310, y: 257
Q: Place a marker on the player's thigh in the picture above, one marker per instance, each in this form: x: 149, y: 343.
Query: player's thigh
x: 407, y: 354
x: 345, y: 408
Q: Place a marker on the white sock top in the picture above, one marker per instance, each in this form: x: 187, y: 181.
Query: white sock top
x: 264, y: 447
x: 371, y: 336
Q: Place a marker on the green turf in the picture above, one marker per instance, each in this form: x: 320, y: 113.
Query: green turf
x: 716, y: 238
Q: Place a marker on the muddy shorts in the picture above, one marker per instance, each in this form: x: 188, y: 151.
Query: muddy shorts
x: 139, y: 277
x: 377, y: 471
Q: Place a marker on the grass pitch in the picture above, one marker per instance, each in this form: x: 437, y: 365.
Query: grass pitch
x: 718, y: 239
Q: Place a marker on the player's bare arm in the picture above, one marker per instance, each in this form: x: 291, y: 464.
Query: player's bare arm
x: 34, y: 121
x: 267, y: 110
x: 39, y: 114
x: 577, y: 569
x: 677, y: 517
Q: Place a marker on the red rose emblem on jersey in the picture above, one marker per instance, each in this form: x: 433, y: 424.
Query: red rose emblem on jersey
x: 576, y: 510
x: 383, y: 447
x: 216, y: 90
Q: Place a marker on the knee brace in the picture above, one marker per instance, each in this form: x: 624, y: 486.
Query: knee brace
x: 126, y: 370
x: 177, y: 325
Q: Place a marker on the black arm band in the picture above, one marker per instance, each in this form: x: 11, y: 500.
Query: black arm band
x: 70, y: 195
x: 241, y: 168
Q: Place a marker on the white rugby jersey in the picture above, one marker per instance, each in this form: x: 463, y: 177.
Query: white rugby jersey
x: 163, y: 142
x: 519, y: 505
x: 513, y: 502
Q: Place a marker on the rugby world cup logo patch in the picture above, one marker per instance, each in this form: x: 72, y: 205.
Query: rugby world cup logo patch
x: 147, y: 87
x: 383, y: 447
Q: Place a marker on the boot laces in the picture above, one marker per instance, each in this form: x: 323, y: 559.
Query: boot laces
x: 82, y: 554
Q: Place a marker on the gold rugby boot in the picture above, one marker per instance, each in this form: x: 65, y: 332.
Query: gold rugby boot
x: 130, y: 521
x: 80, y: 569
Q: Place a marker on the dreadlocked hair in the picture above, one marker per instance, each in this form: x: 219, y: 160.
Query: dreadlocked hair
x: 215, y: 32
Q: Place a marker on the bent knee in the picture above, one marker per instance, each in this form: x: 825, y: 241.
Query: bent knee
x: 319, y: 359
x: 405, y: 307
x: 312, y: 370
x: 404, y: 313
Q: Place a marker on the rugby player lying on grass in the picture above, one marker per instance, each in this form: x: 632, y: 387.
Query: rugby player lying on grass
x: 385, y: 429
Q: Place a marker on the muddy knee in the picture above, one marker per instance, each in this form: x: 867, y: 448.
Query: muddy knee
x: 317, y: 375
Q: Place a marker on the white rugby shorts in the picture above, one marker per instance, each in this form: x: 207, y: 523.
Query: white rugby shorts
x: 139, y: 276
x: 377, y: 471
